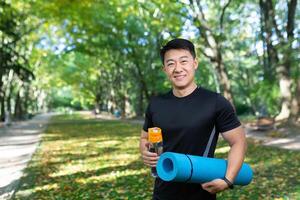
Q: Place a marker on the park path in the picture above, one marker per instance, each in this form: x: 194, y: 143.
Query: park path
x: 291, y: 142
x: 18, y: 142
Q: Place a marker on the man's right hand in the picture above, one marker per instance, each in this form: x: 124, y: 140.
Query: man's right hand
x: 150, y: 159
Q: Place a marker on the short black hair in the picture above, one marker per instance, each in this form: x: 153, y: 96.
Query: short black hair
x: 177, y: 43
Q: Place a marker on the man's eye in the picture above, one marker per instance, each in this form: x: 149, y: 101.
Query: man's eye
x: 184, y: 61
x: 170, y: 64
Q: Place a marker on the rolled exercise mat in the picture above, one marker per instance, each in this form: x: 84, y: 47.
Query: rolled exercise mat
x: 196, y: 169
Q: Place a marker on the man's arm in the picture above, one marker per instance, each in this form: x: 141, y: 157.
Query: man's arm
x: 237, y: 142
x: 238, y: 145
x: 150, y: 159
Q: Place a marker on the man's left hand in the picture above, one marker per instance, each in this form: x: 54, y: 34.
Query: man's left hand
x: 215, y: 186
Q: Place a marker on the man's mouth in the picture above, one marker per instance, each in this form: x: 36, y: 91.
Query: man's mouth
x: 179, y: 77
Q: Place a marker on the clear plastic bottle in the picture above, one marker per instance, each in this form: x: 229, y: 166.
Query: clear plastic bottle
x: 156, y: 144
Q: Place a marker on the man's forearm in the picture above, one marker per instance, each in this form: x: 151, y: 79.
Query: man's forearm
x: 235, y: 159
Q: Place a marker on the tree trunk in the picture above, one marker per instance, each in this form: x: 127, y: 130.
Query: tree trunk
x: 213, y: 52
x: 97, y: 103
x: 18, y: 107
x: 282, y: 68
x: 123, y: 106
x: 284, y: 71
x: 224, y: 80
x: 2, y: 104
x: 140, y: 107
x: 295, y: 107
x: 270, y: 58
x: 25, y: 110
x: 285, y: 91
x: 212, y: 48
x: 10, y: 87
x: 142, y: 81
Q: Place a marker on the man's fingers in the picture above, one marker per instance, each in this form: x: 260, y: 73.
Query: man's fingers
x: 150, y: 158
x: 214, y: 186
x: 151, y: 162
x: 210, y: 189
x: 149, y: 154
x: 150, y: 165
x: 207, y: 185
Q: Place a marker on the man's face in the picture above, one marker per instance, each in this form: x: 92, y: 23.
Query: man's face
x: 180, y: 67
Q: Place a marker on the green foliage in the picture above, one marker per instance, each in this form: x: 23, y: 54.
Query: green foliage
x: 108, y: 52
x: 16, y: 71
x: 114, y: 53
x: 266, y: 94
x: 63, y: 98
x: 90, y: 159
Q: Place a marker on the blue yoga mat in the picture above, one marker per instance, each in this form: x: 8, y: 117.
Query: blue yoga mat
x: 196, y: 169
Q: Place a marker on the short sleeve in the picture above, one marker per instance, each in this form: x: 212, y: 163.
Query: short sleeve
x: 226, y: 118
x: 148, y: 118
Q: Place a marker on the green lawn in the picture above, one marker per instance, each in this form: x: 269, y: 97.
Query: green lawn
x: 89, y: 159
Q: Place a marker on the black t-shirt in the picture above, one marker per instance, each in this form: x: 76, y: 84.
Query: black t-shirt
x: 187, y: 125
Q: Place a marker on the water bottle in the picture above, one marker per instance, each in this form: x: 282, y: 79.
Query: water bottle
x: 156, y: 144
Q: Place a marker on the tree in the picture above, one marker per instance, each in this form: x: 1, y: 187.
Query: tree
x: 13, y: 56
x: 211, y: 32
x: 282, y: 55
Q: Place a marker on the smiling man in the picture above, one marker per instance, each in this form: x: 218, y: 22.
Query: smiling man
x: 191, y: 119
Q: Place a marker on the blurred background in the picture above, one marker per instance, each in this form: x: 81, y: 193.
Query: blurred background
x: 104, y: 55
x: 97, y: 62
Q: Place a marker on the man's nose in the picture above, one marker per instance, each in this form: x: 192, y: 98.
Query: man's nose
x: 178, y: 67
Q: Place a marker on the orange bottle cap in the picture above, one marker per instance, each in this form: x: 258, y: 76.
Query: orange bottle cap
x: 154, y: 135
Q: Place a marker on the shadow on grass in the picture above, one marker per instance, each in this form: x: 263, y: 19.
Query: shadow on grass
x: 112, y: 182
x: 90, y: 128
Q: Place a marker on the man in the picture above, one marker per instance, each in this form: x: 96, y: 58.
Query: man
x: 191, y: 119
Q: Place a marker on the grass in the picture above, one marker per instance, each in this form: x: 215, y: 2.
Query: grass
x: 89, y: 159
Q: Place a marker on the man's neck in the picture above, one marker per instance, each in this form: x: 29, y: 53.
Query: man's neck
x: 182, y: 92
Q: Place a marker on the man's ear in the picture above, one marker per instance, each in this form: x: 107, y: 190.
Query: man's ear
x: 195, y: 63
x: 163, y: 68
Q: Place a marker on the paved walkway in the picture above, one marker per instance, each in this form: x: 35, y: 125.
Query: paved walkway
x: 17, y: 144
x: 289, y: 142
